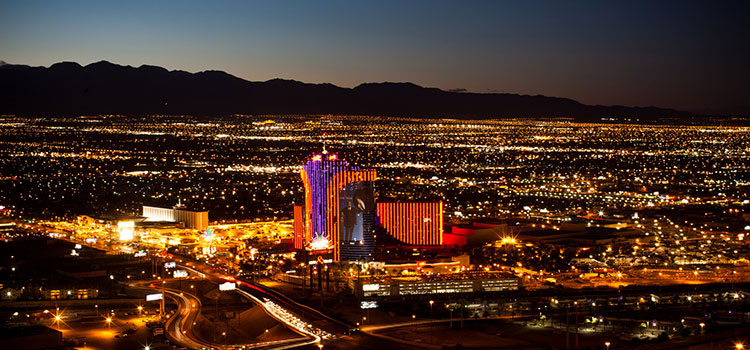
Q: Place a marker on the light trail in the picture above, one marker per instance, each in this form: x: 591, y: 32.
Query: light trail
x: 286, y: 318
x: 277, y: 313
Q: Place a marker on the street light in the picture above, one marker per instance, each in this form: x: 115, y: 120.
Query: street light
x: 607, y: 344
x: 739, y: 346
x: 451, y: 314
x: 109, y: 321
x: 702, y: 325
x: 431, y: 316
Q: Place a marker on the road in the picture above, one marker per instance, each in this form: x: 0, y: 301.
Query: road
x: 303, y: 319
x: 274, y: 305
x: 260, y: 292
x: 375, y: 328
x: 179, y: 326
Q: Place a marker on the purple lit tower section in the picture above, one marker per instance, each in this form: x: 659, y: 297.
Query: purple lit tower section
x: 326, y: 179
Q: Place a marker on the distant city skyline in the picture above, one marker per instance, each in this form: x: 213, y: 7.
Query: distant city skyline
x: 686, y: 55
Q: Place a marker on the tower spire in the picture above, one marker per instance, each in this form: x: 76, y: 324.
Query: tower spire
x: 324, y: 144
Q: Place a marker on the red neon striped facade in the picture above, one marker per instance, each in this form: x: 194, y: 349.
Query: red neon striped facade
x: 413, y: 223
x: 299, y: 227
x: 307, y: 211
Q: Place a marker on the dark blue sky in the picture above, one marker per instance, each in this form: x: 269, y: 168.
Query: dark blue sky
x: 682, y: 54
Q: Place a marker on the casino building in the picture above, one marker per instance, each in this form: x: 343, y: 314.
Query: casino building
x: 337, y: 219
x: 197, y: 220
x: 339, y: 214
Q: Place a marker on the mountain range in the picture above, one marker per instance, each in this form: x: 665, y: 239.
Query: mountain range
x: 67, y: 88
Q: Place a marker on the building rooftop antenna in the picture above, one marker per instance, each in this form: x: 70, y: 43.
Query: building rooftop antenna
x: 324, y: 144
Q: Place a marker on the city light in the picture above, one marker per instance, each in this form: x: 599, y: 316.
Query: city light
x: 576, y: 219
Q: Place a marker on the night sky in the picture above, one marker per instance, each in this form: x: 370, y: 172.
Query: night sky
x: 690, y: 55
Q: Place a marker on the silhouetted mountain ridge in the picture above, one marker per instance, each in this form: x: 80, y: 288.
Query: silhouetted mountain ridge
x: 67, y: 88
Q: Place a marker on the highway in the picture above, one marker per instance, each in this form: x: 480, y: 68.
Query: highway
x: 310, y: 335
x: 179, y: 327
x: 260, y: 292
x: 374, y: 328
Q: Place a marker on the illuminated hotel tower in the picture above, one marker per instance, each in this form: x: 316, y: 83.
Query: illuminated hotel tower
x: 339, y: 208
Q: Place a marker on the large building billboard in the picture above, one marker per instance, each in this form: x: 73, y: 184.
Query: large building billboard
x: 356, y: 200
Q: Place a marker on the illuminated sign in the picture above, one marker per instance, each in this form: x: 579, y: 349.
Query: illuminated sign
x: 368, y: 305
x: 90, y: 240
x: 78, y: 246
x: 325, y: 261
x: 370, y: 287
x: 170, y: 264
x: 126, y: 228
x: 320, y: 242
x: 153, y: 297
x: 179, y: 273
x: 227, y: 286
x: 140, y: 254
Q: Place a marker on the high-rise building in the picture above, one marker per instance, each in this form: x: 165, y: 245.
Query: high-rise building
x: 339, y: 208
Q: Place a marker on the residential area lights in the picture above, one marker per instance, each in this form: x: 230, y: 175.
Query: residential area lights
x: 550, y: 178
